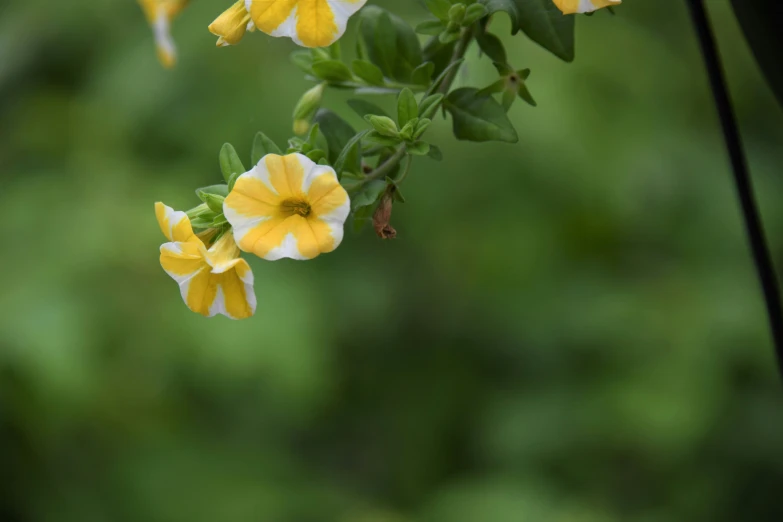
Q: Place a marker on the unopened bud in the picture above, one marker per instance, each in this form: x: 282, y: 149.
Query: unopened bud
x: 307, y: 106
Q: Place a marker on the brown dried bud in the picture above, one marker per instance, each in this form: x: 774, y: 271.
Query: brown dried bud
x: 382, y: 217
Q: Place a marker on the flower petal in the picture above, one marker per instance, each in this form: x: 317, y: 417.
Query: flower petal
x: 185, y: 263
x: 175, y: 225
x: 231, y: 25
x: 310, y: 23
x: 583, y: 6
x: 235, y: 298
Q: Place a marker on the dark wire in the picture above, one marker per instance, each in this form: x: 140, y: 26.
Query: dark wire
x: 750, y: 212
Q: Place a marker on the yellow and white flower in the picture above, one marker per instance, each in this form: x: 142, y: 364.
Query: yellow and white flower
x: 309, y: 23
x: 583, y: 6
x: 159, y: 14
x: 212, y: 278
x: 287, y: 207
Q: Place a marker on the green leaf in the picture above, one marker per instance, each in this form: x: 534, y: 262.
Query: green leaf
x: 316, y: 155
x: 369, y: 195
x: 422, y: 75
x: 435, y: 153
x: 220, y: 190
x: 760, y: 21
x: 230, y: 162
x: 429, y: 105
x: 391, y: 43
x: 407, y: 107
x: 350, y: 158
x: 420, y: 148
x: 540, y: 20
x: 214, y: 201
x: 430, y: 27
x: 479, y: 118
x: 332, y: 71
x: 383, y: 125
x: 367, y: 71
x: 422, y: 127
x: 380, y: 139
x: 262, y: 146
x: 362, y: 217
x: 492, y: 47
x: 336, y: 130
x: 440, y: 8
x: 363, y: 108
x: 474, y: 13
x: 303, y: 60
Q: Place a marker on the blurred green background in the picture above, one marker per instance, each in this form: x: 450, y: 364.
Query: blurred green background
x: 568, y: 329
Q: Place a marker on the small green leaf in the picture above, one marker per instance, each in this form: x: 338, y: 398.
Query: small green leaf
x: 363, y: 108
x: 429, y: 105
x: 369, y: 72
x: 435, y: 153
x: 332, y: 71
x: 420, y: 148
x: 214, y: 202
x: 369, y: 195
x: 479, y: 118
x: 421, y: 128
x: 336, y: 130
x: 407, y: 107
x: 303, y: 60
x: 474, y: 13
x: 430, y: 27
x: 440, y: 8
x: 492, y: 47
x: 217, y: 190
x: 262, y: 146
x: 230, y: 162
x: 350, y: 158
x: 316, y: 155
x: 383, y: 125
x: 379, y: 139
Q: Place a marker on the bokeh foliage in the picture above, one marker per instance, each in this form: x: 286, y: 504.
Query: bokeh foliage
x: 568, y: 329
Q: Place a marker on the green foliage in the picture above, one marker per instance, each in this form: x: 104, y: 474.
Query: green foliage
x: 478, y: 117
x: 230, y: 163
x: 262, y: 146
x: 540, y: 20
x: 390, y: 43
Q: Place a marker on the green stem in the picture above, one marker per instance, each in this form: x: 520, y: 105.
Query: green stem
x: 459, y: 53
x: 387, y: 166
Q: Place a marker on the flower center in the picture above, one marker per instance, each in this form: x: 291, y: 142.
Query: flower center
x: 292, y: 206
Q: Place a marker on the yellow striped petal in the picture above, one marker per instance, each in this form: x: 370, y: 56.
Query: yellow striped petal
x: 212, y: 281
x: 287, y: 207
x: 159, y: 14
x: 232, y: 25
x: 175, y: 225
x: 583, y: 6
x: 309, y: 23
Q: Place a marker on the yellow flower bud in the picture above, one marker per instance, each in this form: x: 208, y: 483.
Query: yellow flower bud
x: 232, y: 25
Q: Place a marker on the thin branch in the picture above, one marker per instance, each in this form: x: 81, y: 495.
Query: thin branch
x: 742, y: 180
